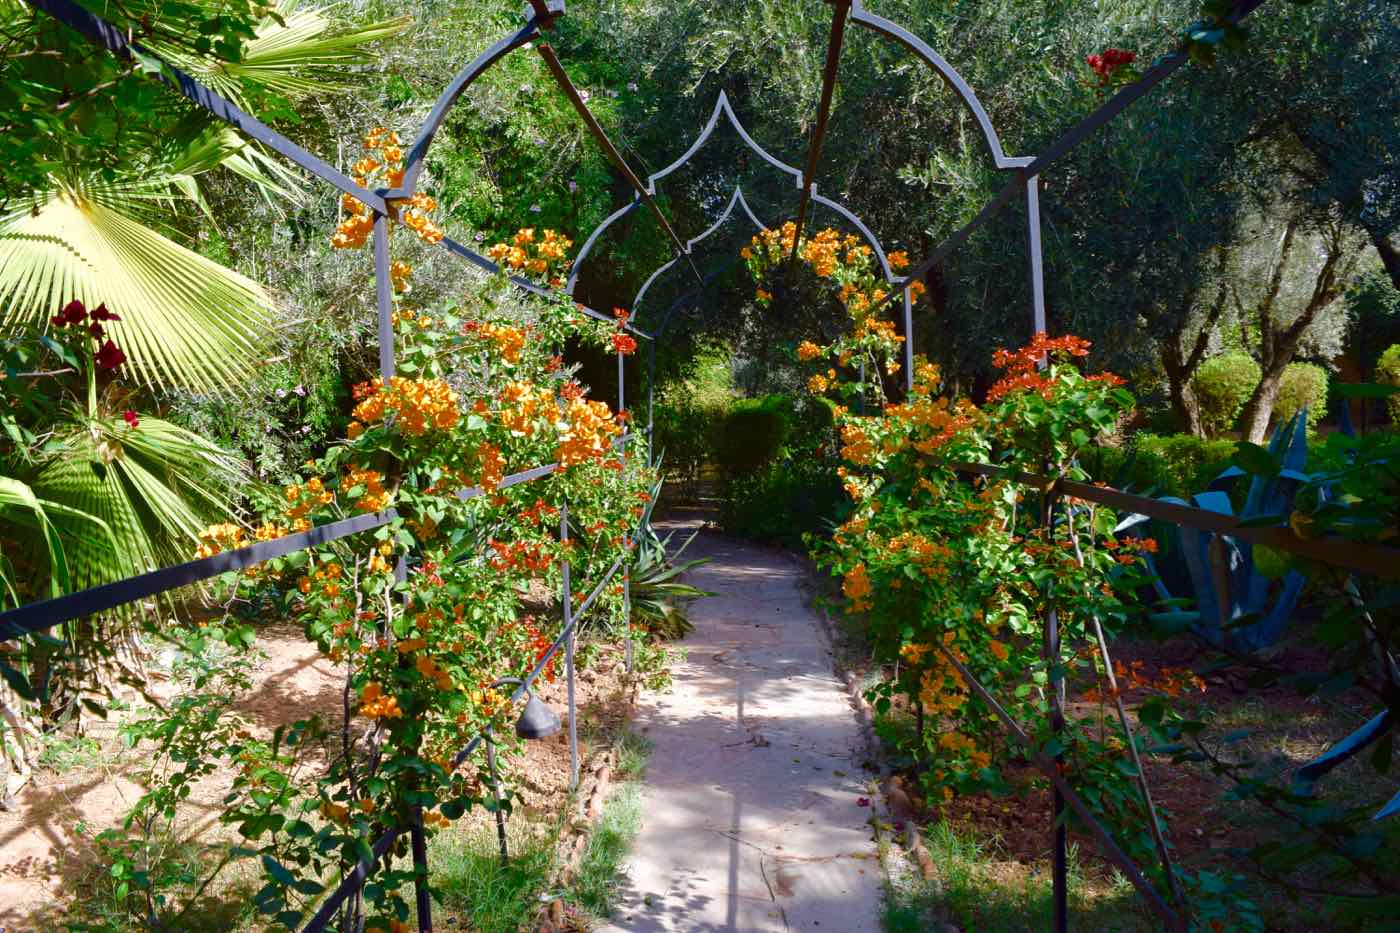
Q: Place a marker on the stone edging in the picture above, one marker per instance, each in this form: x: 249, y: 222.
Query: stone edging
x: 891, y: 808
x: 595, y: 784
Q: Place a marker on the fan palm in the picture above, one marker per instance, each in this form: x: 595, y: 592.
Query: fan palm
x: 186, y: 321
x: 154, y: 486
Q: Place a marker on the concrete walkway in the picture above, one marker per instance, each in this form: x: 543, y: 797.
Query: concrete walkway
x: 750, y: 816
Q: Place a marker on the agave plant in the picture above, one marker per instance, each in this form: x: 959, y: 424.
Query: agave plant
x: 1240, y: 601
x: 659, y: 596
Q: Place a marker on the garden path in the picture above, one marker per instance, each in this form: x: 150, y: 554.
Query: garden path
x: 751, y: 817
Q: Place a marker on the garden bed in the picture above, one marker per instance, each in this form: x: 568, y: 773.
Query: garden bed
x: 992, y: 852
x: 51, y: 873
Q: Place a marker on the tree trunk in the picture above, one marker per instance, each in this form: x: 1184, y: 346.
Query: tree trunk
x: 1181, y: 367
x: 1278, y: 346
x: 1183, y: 399
x: 1390, y: 257
x: 1259, y: 410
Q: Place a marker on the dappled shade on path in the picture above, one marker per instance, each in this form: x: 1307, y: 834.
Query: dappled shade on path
x: 751, y: 815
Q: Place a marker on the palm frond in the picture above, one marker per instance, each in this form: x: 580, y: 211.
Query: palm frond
x: 155, y: 486
x: 296, y: 58
x: 186, y: 321
x: 20, y: 507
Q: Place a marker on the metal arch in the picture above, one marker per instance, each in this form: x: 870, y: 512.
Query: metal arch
x: 892, y: 30
x: 736, y: 198
x: 722, y: 108
x: 464, y: 79
x: 598, y: 231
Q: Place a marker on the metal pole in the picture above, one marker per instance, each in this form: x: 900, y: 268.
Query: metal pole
x: 569, y: 642
x: 419, y: 844
x: 1036, y: 265
x: 496, y: 795
x: 651, y: 399
x: 908, y: 342
x: 627, y: 537
x: 814, y: 152
x: 1056, y: 683
x: 383, y: 291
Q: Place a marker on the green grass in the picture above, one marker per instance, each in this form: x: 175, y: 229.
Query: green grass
x: 483, y: 895
x: 595, y: 887
x: 975, y: 890
x: 467, y: 870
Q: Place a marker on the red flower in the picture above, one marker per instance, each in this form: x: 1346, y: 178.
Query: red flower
x: 624, y: 343
x: 109, y: 357
x: 100, y: 313
x: 1109, y: 61
x: 621, y: 315
x: 96, y: 330
x: 131, y: 419
x: 72, y: 313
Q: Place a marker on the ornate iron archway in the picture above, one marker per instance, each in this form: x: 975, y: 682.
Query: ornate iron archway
x: 1023, y: 185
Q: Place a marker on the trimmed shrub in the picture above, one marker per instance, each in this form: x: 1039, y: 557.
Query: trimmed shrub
x: 1170, y: 465
x: 1222, y: 385
x: 754, y: 434
x: 1301, y: 384
x: 1388, y: 373
x: 685, y: 430
x: 794, y: 489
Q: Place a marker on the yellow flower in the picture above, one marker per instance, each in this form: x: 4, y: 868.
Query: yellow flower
x: 807, y: 350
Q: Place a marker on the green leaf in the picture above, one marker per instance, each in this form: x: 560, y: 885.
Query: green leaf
x: 1255, y: 459
x: 277, y: 871
x: 17, y: 681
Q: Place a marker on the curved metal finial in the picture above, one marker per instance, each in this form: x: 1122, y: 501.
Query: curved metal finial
x: 464, y: 79
x: 737, y: 198
x: 722, y: 109
x: 948, y: 73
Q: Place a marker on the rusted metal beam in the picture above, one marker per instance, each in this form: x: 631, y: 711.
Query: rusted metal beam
x: 1375, y: 559
x: 835, y: 39
x: 561, y: 78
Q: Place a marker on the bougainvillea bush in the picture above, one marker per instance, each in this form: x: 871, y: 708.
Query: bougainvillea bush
x: 954, y: 574
x: 425, y: 614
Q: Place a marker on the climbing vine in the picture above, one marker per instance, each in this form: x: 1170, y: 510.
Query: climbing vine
x: 422, y: 616
x: 954, y: 575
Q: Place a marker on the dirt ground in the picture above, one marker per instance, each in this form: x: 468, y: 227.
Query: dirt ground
x: 1207, y: 830
x: 46, y: 850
